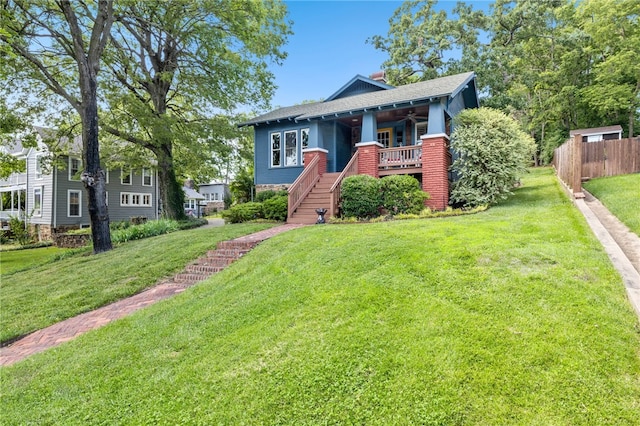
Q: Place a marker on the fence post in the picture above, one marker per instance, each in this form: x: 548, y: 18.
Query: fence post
x: 576, y: 167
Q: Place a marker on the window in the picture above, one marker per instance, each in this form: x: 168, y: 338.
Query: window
x: 275, y: 149
x: 304, y: 135
x: 130, y: 199
x: 421, y: 129
x: 385, y: 137
x: 39, y: 166
x: 106, y: 197
x: 146, y: 177
x: 125, y: 177
x: 74, y: 203
x: 75, y: 168
x: 106, y: 175
x: 37, y: 201
x: 215, y: 196
x: 291, y: 148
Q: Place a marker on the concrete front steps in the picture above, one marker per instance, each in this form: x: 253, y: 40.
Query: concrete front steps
x: 318, y: 198
x: 226, y: 252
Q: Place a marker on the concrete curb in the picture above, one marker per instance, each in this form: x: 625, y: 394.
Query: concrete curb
x: 630, y: 277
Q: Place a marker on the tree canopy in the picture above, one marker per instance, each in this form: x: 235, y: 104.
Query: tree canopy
x: 555, y: 65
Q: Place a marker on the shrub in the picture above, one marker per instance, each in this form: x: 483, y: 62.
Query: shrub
x: 243, y: 212
x: 20, y: 230
x: 276, y: 208
x: 263, y: 196
x: 361, y: 196
x: 148, y: 229
x: 492, y: 154
x: 402, y: 194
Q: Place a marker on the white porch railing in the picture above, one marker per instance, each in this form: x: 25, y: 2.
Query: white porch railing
x: 400, y: 157
x: 14, y: 180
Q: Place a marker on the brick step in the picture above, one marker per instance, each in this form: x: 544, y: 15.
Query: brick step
x: 185, y: 277
x: 215, y: 261
x: 203, y: 269
x: 235, y: 244
x: 228, y: 253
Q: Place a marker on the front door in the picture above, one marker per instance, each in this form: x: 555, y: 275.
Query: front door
x: 385, y: 137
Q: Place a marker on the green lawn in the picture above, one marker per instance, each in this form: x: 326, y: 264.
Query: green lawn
x: 18, y: 260
x: 513, y: 316
x: 621, y: 195
x: 52, y: 292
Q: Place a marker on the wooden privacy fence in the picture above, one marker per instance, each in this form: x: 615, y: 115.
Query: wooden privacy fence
x: 575, y: 160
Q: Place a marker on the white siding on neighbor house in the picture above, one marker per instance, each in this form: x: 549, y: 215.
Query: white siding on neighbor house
x: 39, y: 180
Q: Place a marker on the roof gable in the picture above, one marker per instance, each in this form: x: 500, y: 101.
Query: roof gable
x: 358, y: 85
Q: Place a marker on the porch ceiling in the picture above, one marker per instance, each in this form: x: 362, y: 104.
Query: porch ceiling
x: 387, y: 115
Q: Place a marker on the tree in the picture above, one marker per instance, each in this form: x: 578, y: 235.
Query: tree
x: 492, y: 152
x: 57, y: 45
x: 175, y: 67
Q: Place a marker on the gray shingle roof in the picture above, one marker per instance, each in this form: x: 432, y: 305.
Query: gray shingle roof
x: 436, y: 88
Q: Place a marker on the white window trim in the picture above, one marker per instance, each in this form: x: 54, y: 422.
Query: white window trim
x: 71, y: 178
x: 304, y: 131
x: 140, y: 195
x: 420, y: 123
x: 271, y: 150
x: 69, y: 191
x: 296, y: 149
x: 38, y: 213
x: 145, y: 171
x: 106, y: 175
x: 122, y: 175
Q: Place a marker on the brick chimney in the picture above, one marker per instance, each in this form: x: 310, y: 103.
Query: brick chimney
x: 379, y: 76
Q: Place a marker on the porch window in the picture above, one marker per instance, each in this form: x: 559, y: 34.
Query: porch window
x: 37, y: 201
x: 74, y: 207
x: 421, y: 129
x: 275, y: 149
x: 291, y: 148
x: 75, y: 166
x: 385, y: 137
x: 304, y: 135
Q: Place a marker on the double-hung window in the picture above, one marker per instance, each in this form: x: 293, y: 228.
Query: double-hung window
x: 37, y: 201
x: 275, y: 149
x: 291, y: 148
x: 74, y: 203
x: 147, y: 177
x: 75, y: 168
x: 125, y: 176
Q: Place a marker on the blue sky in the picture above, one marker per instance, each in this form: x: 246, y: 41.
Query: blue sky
x: 328, y: 46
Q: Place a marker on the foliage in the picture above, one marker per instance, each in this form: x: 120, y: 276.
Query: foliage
x: 242, y: 187
x: 269, y: 193
x: 144, y: 230
x: 492, y: 155
x: 53, y: 50
x: 490, y: 319
x: 276, y: 208
x: 554, y: 65
x: 361, y: 197
x: 402, y: 194
x: 191, y: 223
x: 20, y: 230
x: 243, y: 212
x: 174, y: 81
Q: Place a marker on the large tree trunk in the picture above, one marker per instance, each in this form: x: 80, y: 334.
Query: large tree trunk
x: 93, y: 176
x: 171, y: 192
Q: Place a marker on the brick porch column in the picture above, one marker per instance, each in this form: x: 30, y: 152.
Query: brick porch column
x: 368, y: 158
x: 310, y: 153
x: 436, y: 160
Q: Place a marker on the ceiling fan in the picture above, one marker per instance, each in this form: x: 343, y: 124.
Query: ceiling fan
x: 413, y: 117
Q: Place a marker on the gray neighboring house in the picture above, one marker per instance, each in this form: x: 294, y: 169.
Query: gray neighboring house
x: 214, y: 195
x: 56, y: 199
x: 192, y: 201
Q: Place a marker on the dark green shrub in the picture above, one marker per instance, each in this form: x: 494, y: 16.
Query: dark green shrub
x: 145, y: 230
x: 402, y: 194
x: 276, y: 208
x: 243, y: 212
x: 361, y: 196
x: 20, y: 230
x: 263, y: 196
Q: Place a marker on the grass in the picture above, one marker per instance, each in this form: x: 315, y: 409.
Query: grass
x: 12, y: 261
x: 51, y: 292
x: 510, y: 316
x: 621, y: 195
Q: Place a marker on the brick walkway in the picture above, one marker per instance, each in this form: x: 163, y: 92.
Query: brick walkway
x: 200, y: 269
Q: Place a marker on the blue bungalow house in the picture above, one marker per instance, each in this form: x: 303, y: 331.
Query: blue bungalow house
x: 366, y: 127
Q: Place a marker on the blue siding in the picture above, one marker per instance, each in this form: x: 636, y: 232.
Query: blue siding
x: 264, y: 173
